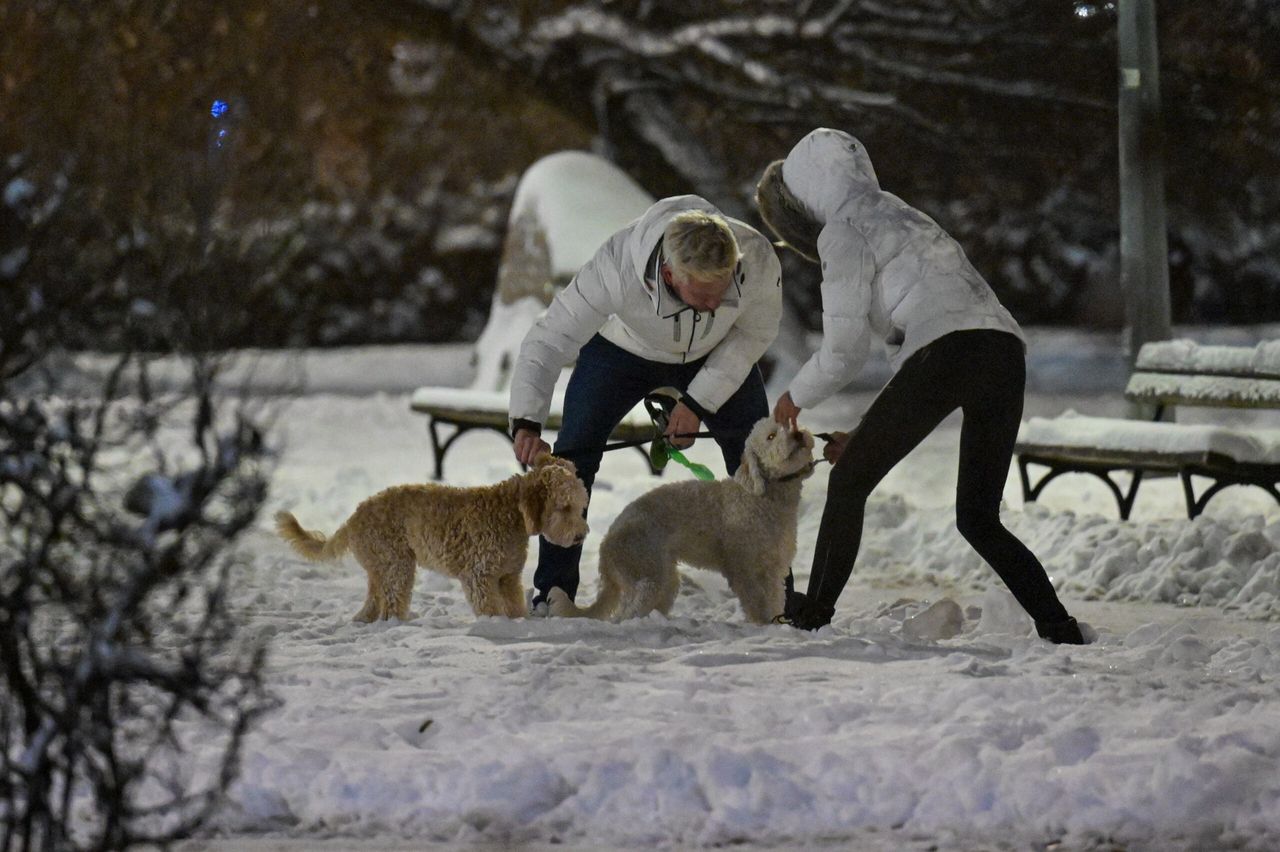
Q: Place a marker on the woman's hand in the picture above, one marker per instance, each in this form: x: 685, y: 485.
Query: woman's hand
x: 786, y: 412
x: 835, y: 447
x: 528, y: 444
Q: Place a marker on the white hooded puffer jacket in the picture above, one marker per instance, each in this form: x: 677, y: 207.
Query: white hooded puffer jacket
x: 887, y: 268
x: 615, y: 294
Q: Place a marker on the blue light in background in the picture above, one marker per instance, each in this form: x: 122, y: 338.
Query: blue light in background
x: 219, y: 109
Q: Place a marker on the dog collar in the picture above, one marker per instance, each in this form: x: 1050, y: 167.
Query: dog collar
x: 799, y: 473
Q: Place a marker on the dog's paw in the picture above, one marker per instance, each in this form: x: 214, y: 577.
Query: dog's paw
x: 560, y: 602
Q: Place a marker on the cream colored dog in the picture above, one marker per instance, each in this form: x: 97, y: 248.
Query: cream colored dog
x: 479, y: 535
x: 744, y: 527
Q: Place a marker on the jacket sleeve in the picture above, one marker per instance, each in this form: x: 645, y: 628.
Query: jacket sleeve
x: 848, y: 271
x: 575, y: 314
x: 751, y: 336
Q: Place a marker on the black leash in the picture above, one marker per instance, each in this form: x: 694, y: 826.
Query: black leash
x: 659, y: 406
x: 574, y: 452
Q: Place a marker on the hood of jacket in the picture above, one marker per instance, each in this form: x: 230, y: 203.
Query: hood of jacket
x: 826, y: 169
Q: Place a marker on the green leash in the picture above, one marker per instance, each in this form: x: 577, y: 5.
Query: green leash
x: 660, y: 451
x: 659, y: 406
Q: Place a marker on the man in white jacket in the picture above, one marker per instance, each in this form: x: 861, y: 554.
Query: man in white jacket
x: 889, y: 272
x: 683, y: 297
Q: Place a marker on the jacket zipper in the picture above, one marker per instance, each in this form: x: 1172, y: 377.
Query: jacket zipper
x: 697, y: 317
x: 677, y: 333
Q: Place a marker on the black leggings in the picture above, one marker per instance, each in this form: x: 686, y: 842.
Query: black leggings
x: 983, y: 373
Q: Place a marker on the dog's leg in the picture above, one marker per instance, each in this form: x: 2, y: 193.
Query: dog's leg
x: 368, y: 612
x: 760, y: 594
x: 399, y: 589
x: 668, y: 587
x: 649, y: 582
x: 372, y: 609
x: 511, y: 588
x: 484, y: 593
x: 390, y: 567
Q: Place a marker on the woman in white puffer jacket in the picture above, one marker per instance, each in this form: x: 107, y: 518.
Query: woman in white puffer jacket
x: 889, y: 272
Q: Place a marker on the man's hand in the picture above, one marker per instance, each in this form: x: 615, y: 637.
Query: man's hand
x: 682, y: 422
x: 528, y: 444
x: 833, y: 448
x: 786, y: 412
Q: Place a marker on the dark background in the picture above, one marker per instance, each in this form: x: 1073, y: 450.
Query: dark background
x: 372, y: 149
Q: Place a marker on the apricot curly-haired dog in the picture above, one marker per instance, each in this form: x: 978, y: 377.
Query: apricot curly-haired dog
x: 479, y: 535
x: 744, y: 528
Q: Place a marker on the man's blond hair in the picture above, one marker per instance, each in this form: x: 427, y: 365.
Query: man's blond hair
x: 701, y: 245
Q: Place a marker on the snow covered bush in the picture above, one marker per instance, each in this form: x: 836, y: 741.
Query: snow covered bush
x: 117, y: 646
x: 116, y: 640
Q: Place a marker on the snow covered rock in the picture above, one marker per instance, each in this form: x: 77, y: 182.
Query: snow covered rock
x: 941, y: 620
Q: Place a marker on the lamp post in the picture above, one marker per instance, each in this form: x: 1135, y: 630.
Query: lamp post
x: 1144, y: 248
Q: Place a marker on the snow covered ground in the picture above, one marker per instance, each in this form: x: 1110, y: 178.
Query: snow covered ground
x: 699, y: 729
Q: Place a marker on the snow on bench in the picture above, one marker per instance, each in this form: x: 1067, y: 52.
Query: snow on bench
x: 566, y: 205
x: 1178, y: 372
x: 1187, y: 356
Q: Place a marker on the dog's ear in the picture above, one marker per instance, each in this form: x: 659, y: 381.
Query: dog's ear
x: 548, y: 460
x: 748, y: 474
x: 531, y: 498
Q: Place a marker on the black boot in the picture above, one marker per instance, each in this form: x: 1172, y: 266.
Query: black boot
x: 804, y: 614
x: 1060, y: 632
x: 792, y: 604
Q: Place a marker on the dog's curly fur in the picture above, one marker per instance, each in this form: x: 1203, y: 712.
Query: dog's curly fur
x: 744, y: 527
x: 479, y: 535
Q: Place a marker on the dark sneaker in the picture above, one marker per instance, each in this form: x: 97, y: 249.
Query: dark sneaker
x: 1061, y: 632
x: 538, y: 606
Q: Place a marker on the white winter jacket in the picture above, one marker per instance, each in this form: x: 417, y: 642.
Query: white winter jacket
x: 620, y: 294
x: 888, y: 270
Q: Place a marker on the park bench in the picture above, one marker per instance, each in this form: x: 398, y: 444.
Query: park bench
x: 452, y: 412
x: 566, y: 205
x: 1169, y: 373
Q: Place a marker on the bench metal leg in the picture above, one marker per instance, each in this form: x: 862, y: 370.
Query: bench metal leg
x: 1124, y: 498
x: 1196, y: 505
x: 439, y: 448
x: 436, y: 450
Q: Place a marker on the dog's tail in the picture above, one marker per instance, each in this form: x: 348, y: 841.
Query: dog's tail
x: 605, y: 603
x: 311, y: 544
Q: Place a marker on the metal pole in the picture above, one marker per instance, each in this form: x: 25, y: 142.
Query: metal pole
x: 1144, y: 248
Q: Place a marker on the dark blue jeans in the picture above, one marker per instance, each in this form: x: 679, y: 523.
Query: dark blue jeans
x: 607, y: 382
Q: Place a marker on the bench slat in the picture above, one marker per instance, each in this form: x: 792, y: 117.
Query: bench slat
x: 1049, y: 453
x: 1185, y: 356
x: 489, y: 408
x: 1218, y: 391
x: 1110, y: 438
